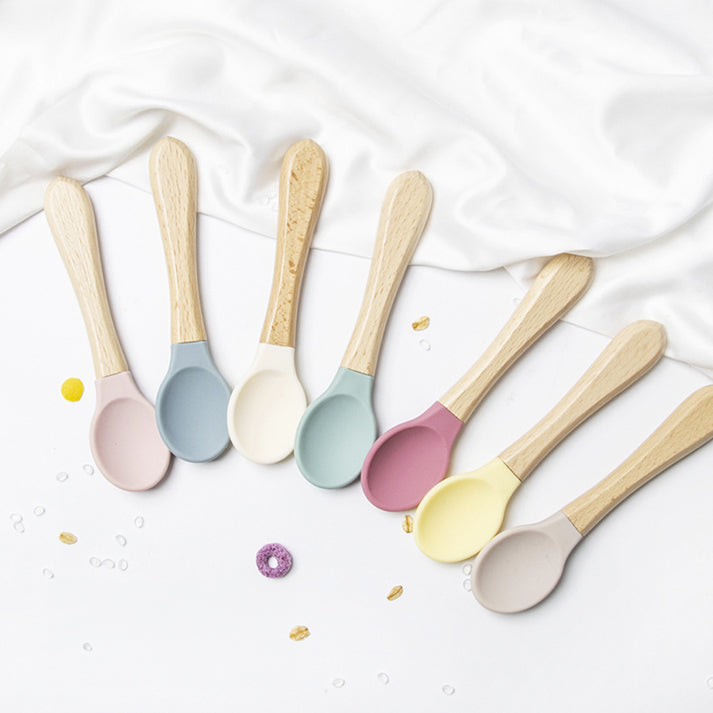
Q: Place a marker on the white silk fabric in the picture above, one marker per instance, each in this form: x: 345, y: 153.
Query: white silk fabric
x: 544, y: 126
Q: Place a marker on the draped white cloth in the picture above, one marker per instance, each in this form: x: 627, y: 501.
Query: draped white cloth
x: 544, y: 126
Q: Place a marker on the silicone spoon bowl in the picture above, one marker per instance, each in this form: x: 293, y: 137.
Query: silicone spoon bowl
x: 520, y: 567
x: 409, y: 459
x: 337, y: 429
x: 266, y: 406
x: 460, y: 514
x: 193, y: 398
x: 123, y: 437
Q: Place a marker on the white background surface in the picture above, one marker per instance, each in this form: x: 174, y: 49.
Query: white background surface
x: 192, y: 626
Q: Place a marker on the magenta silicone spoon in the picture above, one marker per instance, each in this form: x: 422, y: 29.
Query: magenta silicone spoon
x: 409, y: 459
x: 123, y: 436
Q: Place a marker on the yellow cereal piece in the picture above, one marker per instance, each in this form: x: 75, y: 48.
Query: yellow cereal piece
x: 67, y: 537
x: 298, y: 633
x: 72, y: 389
x: 407, y: 524
x: 421, y: 323
x: 395, y: 593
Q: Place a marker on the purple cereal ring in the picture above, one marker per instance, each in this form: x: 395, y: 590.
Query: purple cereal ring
x: 280, y: 553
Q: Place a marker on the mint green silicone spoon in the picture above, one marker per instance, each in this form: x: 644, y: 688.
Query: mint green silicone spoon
x: 338, y: 428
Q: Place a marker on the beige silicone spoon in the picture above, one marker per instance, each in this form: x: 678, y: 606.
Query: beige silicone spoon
x: 520, y: 567
x: 267, y: 405
x: 123, y: 436
x: 458, y: 516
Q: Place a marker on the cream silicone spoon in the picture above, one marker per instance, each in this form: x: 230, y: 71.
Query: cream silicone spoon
x: 338, y: 427
x: 520, y: 567
x: 193, y: 397
x: 409, y: 459
x: 266, y: 406
x: 458, y: 516
x: 123, y: 436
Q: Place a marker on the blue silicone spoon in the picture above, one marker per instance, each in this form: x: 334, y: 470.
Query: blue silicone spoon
x: 193, y: 398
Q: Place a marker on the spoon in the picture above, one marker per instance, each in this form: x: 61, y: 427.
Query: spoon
x: 123, y: 437
x: 459, y: 515
x: 266, y: 406
x: 520, y: 567
x: 193, y: 397
x: 409, y: 459
x: 338, y: 427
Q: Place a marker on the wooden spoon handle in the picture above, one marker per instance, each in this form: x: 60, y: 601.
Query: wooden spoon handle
x: 403, y: 218
x: 173, y: 181
x: 687, y: 428
x: 71, y: 220
x: 561, y: 282
x: 626, y: 358
x: 303, y: 179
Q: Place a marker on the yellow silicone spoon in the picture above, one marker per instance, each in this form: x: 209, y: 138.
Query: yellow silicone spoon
x: 458, y: 516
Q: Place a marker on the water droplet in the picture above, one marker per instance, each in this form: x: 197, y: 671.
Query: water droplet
x: 123, y: 565
x: 425, y: 345
x: 16, y: 517
x: 18, y: 527
x: 516, y: 300
x: 448, y: 690
x: 382, y: 678
x: 109, y: 564
x: 48, y: 573
x: 467, y: 569
x: 467, y: 585
x: 121, y: 540
x: 87, y: 646
x: 61, y: 477
x: 338, y: 682
x: 95, y: 562
x: 710, y: 682
x: 88, y: 469
x: 139, y: 521
x: 39, y: 511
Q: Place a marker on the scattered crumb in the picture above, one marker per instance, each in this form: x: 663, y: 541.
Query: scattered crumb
x: 67, y: 537
x: 407, y: 524
x: 72, y: 389
x: 421, y: 323
x: 298, y: 633
x: 395, y: 593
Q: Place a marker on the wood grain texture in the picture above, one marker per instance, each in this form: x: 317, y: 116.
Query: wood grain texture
x: 561, y: 282
x: 404, y: 213
x: 687, y: 428
x: 173, y: 181
x: 71, y: 220
x: 303, y: 179
x: 625, y: 359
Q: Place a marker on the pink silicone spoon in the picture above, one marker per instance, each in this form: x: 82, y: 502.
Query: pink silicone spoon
x: 123, y: 436
x: 409, y: 459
